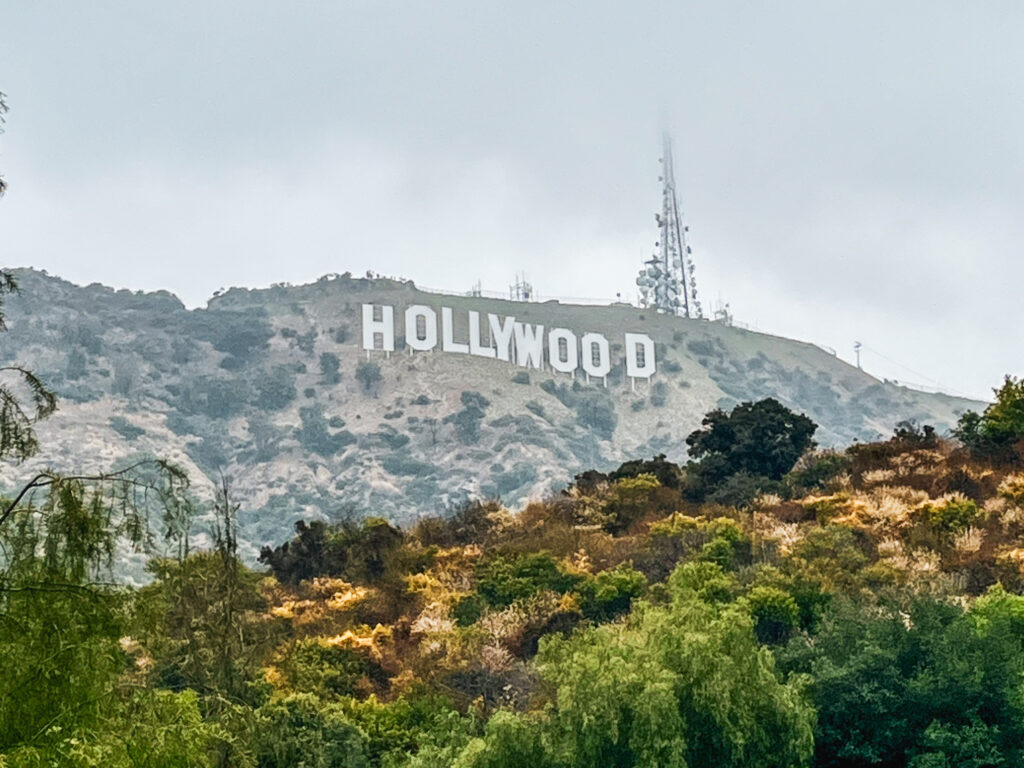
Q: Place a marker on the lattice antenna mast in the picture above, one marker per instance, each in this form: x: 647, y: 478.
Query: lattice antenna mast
x: 667, y: 282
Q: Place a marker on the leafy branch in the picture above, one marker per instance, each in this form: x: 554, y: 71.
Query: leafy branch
x: 77, y: 520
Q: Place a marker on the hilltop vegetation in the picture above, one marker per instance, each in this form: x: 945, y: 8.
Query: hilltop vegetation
x: 768, y: 604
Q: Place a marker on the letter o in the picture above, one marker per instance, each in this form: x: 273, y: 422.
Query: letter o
x: 568, y: 362
x: 599, y: 364
x: 412, y: 332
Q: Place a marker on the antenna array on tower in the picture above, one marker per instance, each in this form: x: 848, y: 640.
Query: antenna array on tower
x: 520, y: 290
x: 666, y: 280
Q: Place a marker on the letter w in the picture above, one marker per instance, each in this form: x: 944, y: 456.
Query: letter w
x: 529, y: 345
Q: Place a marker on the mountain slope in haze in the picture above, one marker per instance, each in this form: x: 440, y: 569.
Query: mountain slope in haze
x: 273, y: 388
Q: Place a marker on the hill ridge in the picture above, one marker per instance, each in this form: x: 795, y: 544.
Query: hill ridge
x: 271, y: 386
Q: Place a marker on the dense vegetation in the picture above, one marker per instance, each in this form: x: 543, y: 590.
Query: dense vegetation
x: 860, y: 608
x: 765, y: 605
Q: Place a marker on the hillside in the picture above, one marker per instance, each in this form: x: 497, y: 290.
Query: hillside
x: 868, y: 614
x: 266, y: 386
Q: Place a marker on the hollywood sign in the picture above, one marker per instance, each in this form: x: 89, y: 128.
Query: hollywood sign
x: 503, y: 338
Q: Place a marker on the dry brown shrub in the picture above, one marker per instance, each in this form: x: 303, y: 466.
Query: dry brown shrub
x: 495, y: 658
x: 768, y: 528
x: 890, y: 547
x: 321, y: 606
x: 450, y: 576
x: 792, y: 512
x: 877, y: 477
x: 968, y: 541
x: 1011, y: 488
x: 433, y: 620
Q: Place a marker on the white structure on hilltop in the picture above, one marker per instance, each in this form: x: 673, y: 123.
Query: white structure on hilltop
x: 666, y: 280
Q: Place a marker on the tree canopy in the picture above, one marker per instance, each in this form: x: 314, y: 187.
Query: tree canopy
x: 760, y: 440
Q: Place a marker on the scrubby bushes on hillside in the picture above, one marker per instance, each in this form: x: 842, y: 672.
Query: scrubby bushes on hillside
x: 315, y: 436
x: 594, y: 407
x: 275, y: 389
x: 863, y: 613
x: 239, y: 333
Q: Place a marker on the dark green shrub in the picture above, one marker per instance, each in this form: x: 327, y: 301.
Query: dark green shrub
x: 126, y: 429
x: 659, y: 394
x: 468, y: 610
x: 535, y: 408
x: 775, y: 614
x: 214, y: 397
x: 702, y: 347
x: 300, y: 730
x: 610, y: 593
x: 369, y: 377
x: 501, y: 581
x: 275, y: 389
x: 240, y: 333
x: 330, y: 367
x: 307, y: 341
x: 398, y: 464
x: 474, y: 400
x: 315, y: 436
x: 667, y: 473
x: 953, y: 516
x: 596, y: 412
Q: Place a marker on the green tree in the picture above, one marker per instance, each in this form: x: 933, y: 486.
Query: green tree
x: 61, y: 660
x: 24, y: 399
x: 301, y: 731
x: 202, y: 616
x: 921, y: 683
x: 763, y: 439
x: 680, y: 685
x: 667, y: 473
x: 610, y: 593
x: 999, y: 430
x: 365, y: 551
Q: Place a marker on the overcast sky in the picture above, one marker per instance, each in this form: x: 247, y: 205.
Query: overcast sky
x: 849, y: 171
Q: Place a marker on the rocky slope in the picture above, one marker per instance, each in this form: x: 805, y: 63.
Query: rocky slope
x: 273, y: 388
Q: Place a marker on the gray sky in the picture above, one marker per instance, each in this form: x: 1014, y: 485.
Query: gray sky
x: 849, y: 170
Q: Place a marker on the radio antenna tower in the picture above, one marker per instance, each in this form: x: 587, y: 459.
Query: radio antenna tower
x: 666, y: 280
